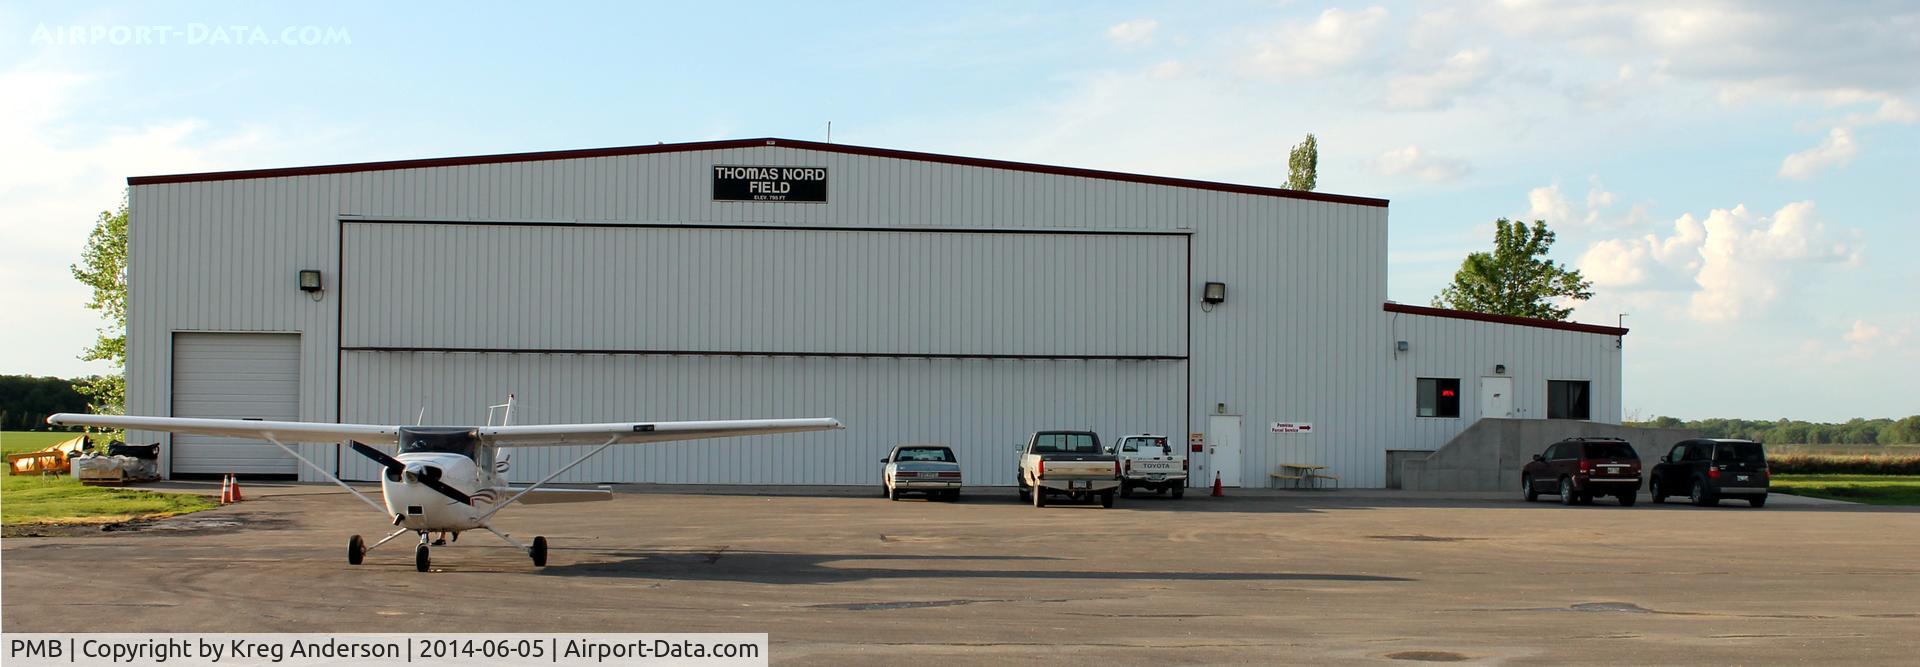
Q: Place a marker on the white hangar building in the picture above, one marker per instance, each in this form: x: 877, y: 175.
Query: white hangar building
x: 916, y: 297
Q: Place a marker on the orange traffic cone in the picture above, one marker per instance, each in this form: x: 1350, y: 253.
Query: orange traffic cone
x: 226, y: 489
x: 1217, y: 489
x: 236, y: 487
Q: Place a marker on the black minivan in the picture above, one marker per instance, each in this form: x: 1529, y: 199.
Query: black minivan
x: 1707, y: 470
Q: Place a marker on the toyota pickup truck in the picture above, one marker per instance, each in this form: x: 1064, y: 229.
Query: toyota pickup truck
x: 1147, y: 462
x: 1069, y: 463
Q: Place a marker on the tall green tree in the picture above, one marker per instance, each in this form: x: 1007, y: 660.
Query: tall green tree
x: 103, y: 268
x: 1516, y: 278
x: 1303, y: 164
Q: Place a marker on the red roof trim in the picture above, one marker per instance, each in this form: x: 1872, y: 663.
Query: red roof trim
x: 1503, y: 319
x: 749, y: 143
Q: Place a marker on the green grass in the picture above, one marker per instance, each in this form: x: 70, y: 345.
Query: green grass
x: 43, y: 499
x: 1869, y: 489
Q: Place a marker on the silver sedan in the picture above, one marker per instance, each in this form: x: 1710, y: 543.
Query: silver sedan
x: 929, y: 469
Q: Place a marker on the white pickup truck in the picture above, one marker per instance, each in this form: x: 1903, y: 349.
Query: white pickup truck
x: 1071, y: 463
x: 1148, y: 462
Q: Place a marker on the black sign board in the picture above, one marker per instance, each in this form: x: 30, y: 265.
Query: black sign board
x: 792, y: 184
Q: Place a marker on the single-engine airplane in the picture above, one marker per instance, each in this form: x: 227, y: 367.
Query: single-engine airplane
x: 446, y: 479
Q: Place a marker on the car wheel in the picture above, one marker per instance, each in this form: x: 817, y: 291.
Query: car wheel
x: 1179, y: 492
x: 1526, y: 489
x: 1758, y: 501
x: 1106, y: 499
x: 1126, y: 491
x: 1626, y: 499
x: 1654, y: 491
x: 893, y: 493
x: 1039, y: 497
x: 1567, y: 496
x: 1700, y: 496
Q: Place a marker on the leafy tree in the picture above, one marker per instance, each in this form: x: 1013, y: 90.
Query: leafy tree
x: 1516, y: 278
x: 1856, y: 431
x: 1303, y: 164
x: 25, y: 401
x: 103, y: 267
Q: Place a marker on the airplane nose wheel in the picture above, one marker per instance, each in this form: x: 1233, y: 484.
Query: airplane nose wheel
x: 539, y: 551
x: 356, y: 550
x: 420, y: 560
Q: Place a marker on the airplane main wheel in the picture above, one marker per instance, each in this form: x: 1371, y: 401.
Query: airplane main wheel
x: 356, y: 550
x: 420, y: 560
x: 539, y: 551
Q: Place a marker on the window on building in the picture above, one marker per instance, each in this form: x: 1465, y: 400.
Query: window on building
x: 1438, y: 397
x: 1567, y: 399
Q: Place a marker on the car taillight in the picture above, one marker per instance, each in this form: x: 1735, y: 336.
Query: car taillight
x: 949, y: 474
x: 1183, y: 465
x: 1713, y: 473
x: 1116, y: 467
x: 1586, y: 466
x: 1129, y: 466
x: 1041, y: 472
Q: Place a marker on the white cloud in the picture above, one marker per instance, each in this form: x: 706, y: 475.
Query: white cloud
x: 1735, y: 265
x: 1334, y: 39
x: 1427, y: 167
x: 58, y: 176
x: 1547, y: 203
x: 1753, y: 46
x: 1864, y: 342
x: 1133, y: 34
x: 1458, y: 75
x: 1863, y: 333
x: 1647, y: 260
x: 1837, y: 150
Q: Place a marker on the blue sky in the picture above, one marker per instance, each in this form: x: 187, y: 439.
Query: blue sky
x: 1735, y: 176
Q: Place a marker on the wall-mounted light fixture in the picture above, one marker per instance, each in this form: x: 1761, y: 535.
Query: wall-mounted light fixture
x: 1211, y: 295
x: 1499, y: 369
x: 310, y: 283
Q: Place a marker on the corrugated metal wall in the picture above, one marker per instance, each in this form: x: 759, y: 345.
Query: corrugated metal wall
x: 1301, y: 337
x: 765, y: 289
x: 983, y: 408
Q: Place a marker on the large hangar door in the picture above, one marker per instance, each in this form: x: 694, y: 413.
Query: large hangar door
x: 962, y: 337
x: 234, y: 376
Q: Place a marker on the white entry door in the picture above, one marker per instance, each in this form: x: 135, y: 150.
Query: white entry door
x: 1223, y: 449
x: 1496, y: 397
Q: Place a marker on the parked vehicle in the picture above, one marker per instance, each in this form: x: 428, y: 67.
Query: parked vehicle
x: 1067, y: 462
x: 1578, y: 469
x: 929, y: 469
x: 1707, y: 470
x: 1148, y: 462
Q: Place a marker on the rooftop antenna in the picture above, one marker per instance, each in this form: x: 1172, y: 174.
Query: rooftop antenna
x: 422, y: 419
x: 829, y: 131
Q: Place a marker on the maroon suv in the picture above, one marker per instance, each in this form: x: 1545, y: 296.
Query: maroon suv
x: 1580, y: 468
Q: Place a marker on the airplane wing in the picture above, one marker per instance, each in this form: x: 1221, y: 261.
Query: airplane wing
x: 640, y: 432
x: 239, y: 428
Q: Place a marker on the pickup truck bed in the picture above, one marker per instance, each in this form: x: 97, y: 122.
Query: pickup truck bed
x: 1067, y: 463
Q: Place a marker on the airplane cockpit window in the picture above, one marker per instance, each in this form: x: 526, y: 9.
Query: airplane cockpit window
x: 460, y: 441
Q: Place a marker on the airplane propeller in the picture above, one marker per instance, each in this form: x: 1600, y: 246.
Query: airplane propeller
x: 427, y: 476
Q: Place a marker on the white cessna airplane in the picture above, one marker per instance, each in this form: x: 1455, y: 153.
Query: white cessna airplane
x: 446, y: 479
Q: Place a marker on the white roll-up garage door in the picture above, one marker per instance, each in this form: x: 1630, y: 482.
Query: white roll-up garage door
x: 234, y: 376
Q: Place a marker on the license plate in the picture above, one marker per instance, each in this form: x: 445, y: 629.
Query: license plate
x: 1156, y: 478
x: 1079, y: 485
x: 1741, y: 478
